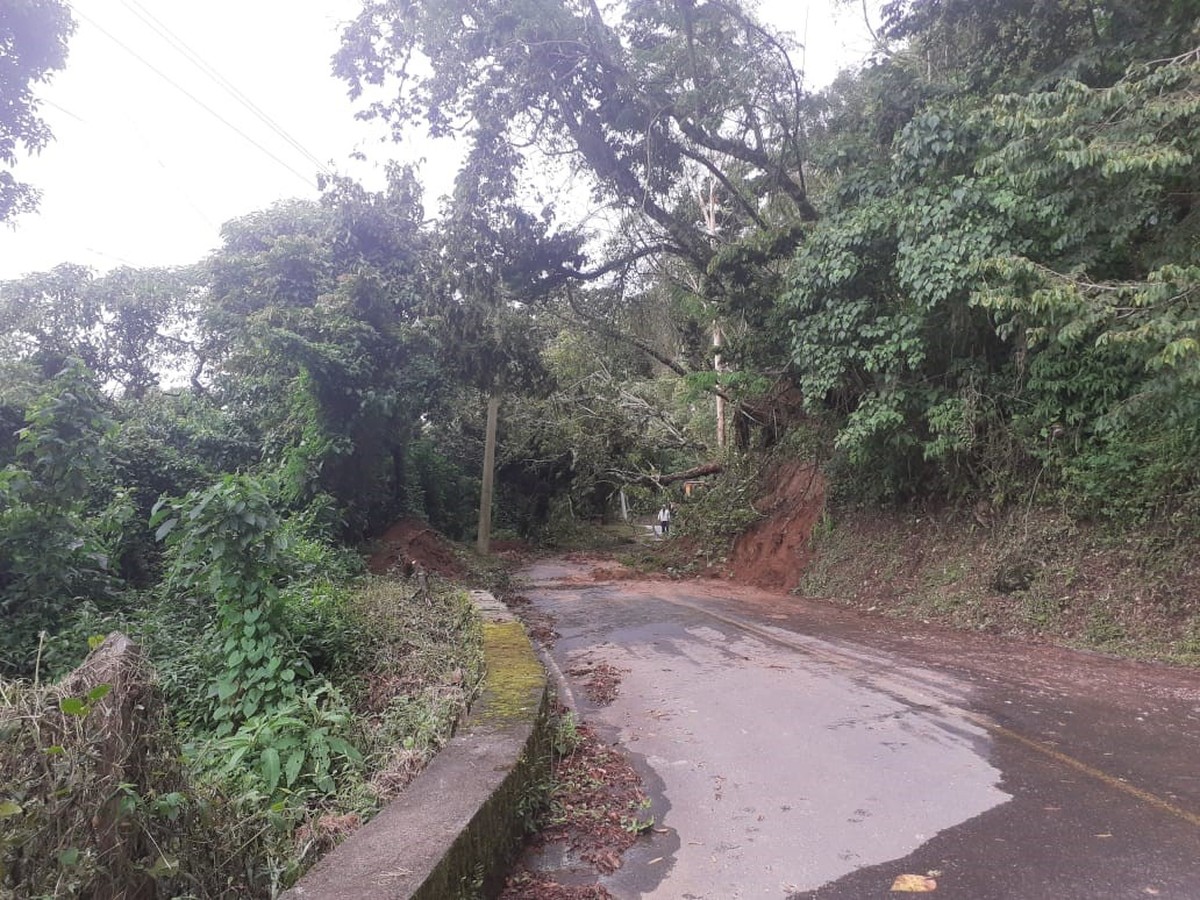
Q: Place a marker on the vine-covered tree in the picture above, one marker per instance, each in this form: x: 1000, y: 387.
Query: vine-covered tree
x: 1004, y: 284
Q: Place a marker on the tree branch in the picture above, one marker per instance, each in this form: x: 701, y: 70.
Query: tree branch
x: 755, y: 157
x: 651, y: 480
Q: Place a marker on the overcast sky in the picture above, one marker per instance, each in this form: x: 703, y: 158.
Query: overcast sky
x: 151, y: 155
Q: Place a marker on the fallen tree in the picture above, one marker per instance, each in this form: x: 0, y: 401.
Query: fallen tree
x: 655, y: 480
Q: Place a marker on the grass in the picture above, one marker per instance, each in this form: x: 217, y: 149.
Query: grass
x: 1130, y: 593
x: 419, y: 665
x: 405, y: 660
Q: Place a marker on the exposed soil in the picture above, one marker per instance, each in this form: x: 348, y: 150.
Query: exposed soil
x: 601, y: 567
x: 1036, y: 574
x: 410, y: 544
x: 773, y: 553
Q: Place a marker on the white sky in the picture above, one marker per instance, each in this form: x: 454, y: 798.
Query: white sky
x: 140, y: 174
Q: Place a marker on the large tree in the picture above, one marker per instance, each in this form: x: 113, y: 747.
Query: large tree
x: 33, y: 45
x: 683, y: 115
x: 317, y: 330
x: 131, y: 327
x: 683, y: 120
x: 1005, y: 284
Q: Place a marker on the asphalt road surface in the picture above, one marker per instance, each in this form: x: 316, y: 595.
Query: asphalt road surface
x: 793, y: 749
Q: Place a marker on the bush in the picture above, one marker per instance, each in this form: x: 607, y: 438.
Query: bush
x: 724, y: 507
x: 298, y: 749
x: 72, y: 826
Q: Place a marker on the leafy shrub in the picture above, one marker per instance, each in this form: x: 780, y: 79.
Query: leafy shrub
x: 57, y: 527
x: 297, y: 749
x: 316, y: 616
x: 724, y: 508
x: 225, y: 543
x: 178, y: 633
x: 438, y: 491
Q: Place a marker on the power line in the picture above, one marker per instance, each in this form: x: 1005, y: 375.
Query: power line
x: 64, y: 110
x: 212, y: 112
x: 180, y: 46
x: 149, y: 147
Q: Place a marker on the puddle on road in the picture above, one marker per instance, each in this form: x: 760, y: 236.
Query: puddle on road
x: 782, y: 767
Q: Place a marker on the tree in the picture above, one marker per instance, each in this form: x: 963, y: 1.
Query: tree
x: 130, y: 327
x: 33, y: 45
x: 640, y: 103
x: 316, y: 323
x: 960, y: 46
x: 1005, y: 283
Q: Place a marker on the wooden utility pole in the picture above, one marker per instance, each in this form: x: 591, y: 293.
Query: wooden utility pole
x: 484, y: 540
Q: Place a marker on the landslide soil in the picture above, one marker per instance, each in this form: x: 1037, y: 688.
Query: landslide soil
x: 773, y: 552
x: 412, y: 542
x: 1036, y: 574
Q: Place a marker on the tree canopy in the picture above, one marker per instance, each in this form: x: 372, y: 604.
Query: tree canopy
x: 33, y: 45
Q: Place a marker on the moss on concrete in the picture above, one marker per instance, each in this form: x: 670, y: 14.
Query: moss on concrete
x: 514, y: 681
x: 477, y: 863
x: 514, y: 695
x: 434, y: 842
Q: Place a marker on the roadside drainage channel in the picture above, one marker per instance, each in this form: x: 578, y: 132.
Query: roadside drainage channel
x: 454, y: 831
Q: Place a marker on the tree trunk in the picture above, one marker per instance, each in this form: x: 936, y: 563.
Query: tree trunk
x: 718, y: 343
x: 713, y: 468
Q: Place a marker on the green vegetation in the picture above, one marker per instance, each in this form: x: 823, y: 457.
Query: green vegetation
x: 34, y: 37
x: 1039, y: 575
x: 964, y: 276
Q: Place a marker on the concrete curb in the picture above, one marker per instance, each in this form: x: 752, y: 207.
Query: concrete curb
x: 453, y: 832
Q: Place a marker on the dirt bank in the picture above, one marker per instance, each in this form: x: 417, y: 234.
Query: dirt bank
x: 774, y: 552
x: 1036, y: 574
x: 1032, y: 573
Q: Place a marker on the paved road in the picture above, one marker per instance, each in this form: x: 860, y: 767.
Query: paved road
x: 793, y: 749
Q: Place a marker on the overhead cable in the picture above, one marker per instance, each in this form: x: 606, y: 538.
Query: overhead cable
x: 212, y: 112
x: 180, y: 46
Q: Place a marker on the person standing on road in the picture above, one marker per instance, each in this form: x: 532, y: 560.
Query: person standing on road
x: 664, y: 519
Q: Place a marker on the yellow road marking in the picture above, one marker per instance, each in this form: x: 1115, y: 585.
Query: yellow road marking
x: 1091, y: 771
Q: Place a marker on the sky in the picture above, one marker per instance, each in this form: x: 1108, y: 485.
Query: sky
x: 153, y: 149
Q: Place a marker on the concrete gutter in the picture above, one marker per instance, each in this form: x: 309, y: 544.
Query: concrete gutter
x: 453, y: 832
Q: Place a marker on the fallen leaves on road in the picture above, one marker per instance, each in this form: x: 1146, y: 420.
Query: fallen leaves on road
x: 914, y: 884
x: 540, y: 626
x: 603, y: 682
x: 530, y: 886
x: 597, y: 808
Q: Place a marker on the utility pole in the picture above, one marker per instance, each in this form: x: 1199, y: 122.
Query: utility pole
x: 483, y: 542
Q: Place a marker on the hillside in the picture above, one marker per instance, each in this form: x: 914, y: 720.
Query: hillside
x: 1034, y: 573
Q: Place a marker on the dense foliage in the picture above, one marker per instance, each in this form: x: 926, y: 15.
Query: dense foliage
x: 969, y: 271
x: 1002, y: 290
